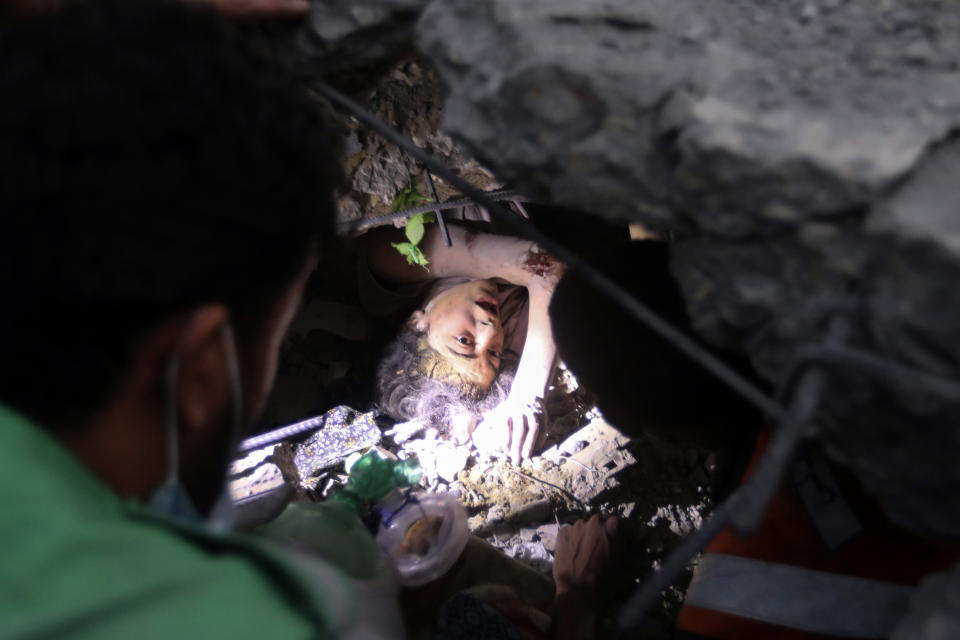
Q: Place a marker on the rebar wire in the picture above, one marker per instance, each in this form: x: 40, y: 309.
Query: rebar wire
x: 363, y: 223
x: 740, y: 509
x: 806, y: 391
x: 440, y: 221
x: 633, y: 613
x: 597, y: 278
x: 868, y: 364
x: 744, y: 508
x: 282, y: 433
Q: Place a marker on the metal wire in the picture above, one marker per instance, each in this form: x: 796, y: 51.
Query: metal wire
x: 355, y: 225
x: 745, y: 506
x: 440, y: 221
x: 868, y: 364
x: 282, y: 433
x: 597, y: 278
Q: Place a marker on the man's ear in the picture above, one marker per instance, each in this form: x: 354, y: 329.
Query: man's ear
x: 203, y: 385
x: 418, y: 322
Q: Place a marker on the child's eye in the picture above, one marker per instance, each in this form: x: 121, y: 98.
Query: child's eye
x: 465, y: 341
x: 495, y: 354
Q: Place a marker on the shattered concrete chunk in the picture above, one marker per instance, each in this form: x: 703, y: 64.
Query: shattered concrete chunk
x: 251, y: 460
x: 264, y: 478
x: 800, y: 152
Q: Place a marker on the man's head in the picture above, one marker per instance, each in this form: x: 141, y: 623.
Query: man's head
x: 159, y: 177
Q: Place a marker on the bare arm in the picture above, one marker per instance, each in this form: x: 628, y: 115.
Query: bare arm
x: 473, y: 255
x: 515, y: 424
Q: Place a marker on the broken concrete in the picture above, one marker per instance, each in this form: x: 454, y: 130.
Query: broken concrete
x: 801, y: 153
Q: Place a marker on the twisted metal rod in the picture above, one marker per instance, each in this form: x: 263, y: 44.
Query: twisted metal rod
x: 363, y: 223
x: 440, y: 221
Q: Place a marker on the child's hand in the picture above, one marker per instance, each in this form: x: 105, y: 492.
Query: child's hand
x: 583, y: 553
x: 582, y: 556
x: 512, y: 426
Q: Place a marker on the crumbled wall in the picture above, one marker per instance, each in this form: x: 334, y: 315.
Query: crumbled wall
x: 802, y: 152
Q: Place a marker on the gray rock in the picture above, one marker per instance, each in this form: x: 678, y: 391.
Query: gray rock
x: 346, y: 35
x: 801, y: 153
x: 548, y: 536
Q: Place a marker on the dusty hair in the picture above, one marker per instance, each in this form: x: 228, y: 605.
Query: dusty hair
x: 406, y: 392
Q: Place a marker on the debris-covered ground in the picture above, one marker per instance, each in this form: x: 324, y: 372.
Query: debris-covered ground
x: 661, y: 489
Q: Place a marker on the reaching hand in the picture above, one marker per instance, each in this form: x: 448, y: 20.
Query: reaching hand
x: 512, y: 426
x: 583, y: 553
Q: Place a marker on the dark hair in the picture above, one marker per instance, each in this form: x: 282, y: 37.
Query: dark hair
x: 152, y: 159
x: 405, y: 393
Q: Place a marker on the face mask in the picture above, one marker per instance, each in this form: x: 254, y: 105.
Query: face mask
x: 172, y: 498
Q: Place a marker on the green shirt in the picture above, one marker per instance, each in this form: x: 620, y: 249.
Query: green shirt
x: 77, y: 562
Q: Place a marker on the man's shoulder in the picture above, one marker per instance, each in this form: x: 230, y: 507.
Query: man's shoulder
x: 124, y: 576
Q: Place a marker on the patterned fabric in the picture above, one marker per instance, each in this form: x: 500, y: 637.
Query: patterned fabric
x: 344, y: 431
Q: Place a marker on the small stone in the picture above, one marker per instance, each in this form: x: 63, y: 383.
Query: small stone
x: 475, y: 523
x: 451, y: 461
x: 810, y: 11
x: 919, y: 52
x: 495, y: 514
x: 548, y: 536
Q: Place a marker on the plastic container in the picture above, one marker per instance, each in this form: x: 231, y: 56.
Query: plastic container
x: 424, y: 533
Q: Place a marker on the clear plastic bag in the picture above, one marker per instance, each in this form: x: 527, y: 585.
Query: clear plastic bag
x: 424, y: 533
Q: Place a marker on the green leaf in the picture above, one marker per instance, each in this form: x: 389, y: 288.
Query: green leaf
x: 411, y: 252
x: 415, y: 228
x: 405, y: 249
x: 408, y: 197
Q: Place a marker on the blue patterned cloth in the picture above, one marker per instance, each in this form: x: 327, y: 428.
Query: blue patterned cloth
x: 344, y: 431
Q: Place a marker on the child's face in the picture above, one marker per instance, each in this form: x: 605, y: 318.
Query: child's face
x: 464, y: 327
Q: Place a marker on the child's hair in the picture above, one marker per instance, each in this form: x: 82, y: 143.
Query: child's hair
x: 412, y: 383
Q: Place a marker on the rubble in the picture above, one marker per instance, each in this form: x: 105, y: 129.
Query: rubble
x: 802, y: 155
x: 264, y: 478
x: 588, y: 467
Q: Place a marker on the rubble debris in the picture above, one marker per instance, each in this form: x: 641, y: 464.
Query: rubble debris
x: 251, y: 460
x: 266, y: 477
x: 795, y: 169
x: 403, y: 431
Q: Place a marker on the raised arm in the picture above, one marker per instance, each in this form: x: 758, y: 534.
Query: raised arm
x: 472, y: 254
x: 514, y: 425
